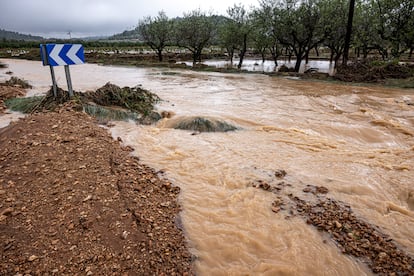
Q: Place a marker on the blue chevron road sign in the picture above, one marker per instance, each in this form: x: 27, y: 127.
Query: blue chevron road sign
x: 62, y: 54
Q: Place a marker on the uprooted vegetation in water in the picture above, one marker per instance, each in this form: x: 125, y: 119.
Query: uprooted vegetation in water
x: 110, y: 102
x: 201, y: 124
x: 135, y: 99
x: 17, y: 82
x: 113, y: 103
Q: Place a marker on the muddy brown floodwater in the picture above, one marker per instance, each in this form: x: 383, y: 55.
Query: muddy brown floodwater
x: 356, y: 141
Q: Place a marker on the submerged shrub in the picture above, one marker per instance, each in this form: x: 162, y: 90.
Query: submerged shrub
x: 202, y: 124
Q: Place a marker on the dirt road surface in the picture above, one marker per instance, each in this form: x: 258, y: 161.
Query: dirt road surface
x: 74, y: 201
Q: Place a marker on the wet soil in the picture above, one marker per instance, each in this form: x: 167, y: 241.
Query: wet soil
x: 353, y: 235
x: 74, y: 201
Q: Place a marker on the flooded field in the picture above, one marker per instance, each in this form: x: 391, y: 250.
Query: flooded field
x: 257, y: 65
x: 357, y: 141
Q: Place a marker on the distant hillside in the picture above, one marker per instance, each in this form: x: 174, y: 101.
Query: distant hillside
x: 132, y: 34
x: 8, y: 35
x: 135, y: 35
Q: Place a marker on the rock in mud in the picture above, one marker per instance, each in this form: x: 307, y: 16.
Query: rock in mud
x: 280, y: 173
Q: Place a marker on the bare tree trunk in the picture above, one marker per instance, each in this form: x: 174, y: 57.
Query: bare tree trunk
x: 332, y: 56
x: 159, y: 53
x: 243, y: 51
x: 348, y: 31
x: 299, y: 58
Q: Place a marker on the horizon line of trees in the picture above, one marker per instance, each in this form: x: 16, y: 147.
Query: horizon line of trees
x: 289, y: 27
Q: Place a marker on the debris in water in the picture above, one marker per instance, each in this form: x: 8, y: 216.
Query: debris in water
x: 201, y: 124
x: 134, y: 99
x: 109, y: 102
x: 355, y: 236
x: 17, y: 82
x: 280, y: 173
x: 352, y: 235
x: 315, y: 189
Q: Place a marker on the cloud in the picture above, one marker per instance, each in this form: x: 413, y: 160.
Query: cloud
x: 99, y: 17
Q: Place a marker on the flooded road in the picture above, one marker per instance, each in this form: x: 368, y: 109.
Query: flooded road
x: 357, y: 141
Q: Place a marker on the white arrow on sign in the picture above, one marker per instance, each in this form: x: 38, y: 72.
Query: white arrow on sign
x: 72, y: 53
x: 55, y: 54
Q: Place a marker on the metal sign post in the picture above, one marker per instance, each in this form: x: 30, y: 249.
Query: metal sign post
x: 61, y: 54
x: 68, y: 80
x: 54, y: 84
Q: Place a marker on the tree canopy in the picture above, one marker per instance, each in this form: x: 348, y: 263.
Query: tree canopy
x: 382, y: 28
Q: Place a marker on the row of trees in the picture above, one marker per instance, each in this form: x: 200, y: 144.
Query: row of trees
x: 289, y: 27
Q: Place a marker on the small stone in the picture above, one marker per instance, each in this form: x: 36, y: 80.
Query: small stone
x: 87, y: 198
x: 307, y: 190
x: 165, y: 204
x: 280, y: 173
x: 382, y: 255
x: 124, y: 235
x: 275, y: 209
x: 54, y: 242
x: 32, y: 258
x: 337, y: 224
x: 7, y: 212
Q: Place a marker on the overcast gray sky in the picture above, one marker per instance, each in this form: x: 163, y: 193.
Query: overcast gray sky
x: 55, y: 18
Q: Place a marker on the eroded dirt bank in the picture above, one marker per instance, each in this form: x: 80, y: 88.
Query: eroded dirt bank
x: 74, y: 201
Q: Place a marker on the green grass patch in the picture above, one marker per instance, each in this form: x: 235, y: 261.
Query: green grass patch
x: 401, y: 83
x: 24, y: 105
x: 109, y: 114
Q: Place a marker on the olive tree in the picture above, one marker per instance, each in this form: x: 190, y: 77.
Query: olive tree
x: 409, y: 36
x: 194, y: 32
x: 156, y: 32
x: 334, y: 24
x: 265, y: 32
x: 240, y: 25
x: 297, y: 25
x: 228, y: 37
x: 393, y: 25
